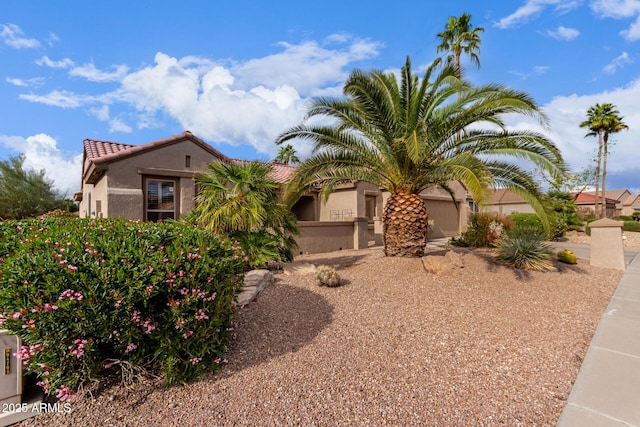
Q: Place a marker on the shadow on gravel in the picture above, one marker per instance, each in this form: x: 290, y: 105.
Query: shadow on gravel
x: 524, y: 275
x: 337, y: 261
x: 282, y: 320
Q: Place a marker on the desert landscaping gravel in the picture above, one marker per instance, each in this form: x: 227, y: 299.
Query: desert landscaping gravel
x: 393, y: 346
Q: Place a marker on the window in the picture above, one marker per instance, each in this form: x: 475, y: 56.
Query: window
x: 160, y: 200
x: 370, y: 207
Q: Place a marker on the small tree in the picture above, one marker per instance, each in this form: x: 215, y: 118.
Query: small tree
x: 242, y: 201
x: 25, y: 193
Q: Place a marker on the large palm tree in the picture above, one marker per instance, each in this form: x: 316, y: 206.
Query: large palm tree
x: 458, y: 38
x: 241, y: 200
x: 602, y: 121
x: 410, y: 135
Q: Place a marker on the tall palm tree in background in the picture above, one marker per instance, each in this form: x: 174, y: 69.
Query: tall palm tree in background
x: 287, y: 154
x: 458, y: 38
x: 410, y: 135
x: 602, y: 121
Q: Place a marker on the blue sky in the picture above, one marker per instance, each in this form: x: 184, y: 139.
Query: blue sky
x: 238, y: 73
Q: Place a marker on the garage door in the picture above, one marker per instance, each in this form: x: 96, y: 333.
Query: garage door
x: 445, y: 218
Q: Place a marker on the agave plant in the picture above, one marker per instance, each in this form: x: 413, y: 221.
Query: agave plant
x: 525, y: 248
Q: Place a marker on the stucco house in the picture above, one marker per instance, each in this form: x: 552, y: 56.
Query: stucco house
x: 155, y: 181
x: 586, y: 201
x: 631, y: 204
x: 505, y: 202
x: 620, y: 196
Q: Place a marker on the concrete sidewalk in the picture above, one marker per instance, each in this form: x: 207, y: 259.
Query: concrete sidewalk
x: 607, y: 390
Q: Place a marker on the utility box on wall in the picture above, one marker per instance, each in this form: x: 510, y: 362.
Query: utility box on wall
x: 11, y: 374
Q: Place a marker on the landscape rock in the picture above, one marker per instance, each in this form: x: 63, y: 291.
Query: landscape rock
x: 254, y: 282
x: 443, y: 265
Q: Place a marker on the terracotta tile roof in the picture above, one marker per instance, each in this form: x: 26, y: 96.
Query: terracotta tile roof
x: 589, y: 199
x: 105, y: 151
x: 97, y: 149
x: 280, y: 172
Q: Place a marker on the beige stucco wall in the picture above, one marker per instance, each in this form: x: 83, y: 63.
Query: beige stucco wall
x: 508, y: 208
x: 325, y: 236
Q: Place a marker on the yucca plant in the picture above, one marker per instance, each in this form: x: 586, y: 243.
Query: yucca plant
x: 525, y: 248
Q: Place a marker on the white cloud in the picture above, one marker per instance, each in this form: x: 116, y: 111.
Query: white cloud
x: 616, y: 8
x: 41, y: 152
x: 12, y: 36
x: 33, y: 82
x: 620, y: 9
x: 91, y: 73
x: 239, y: 103
x: 567, y: 112
x: 63, y: 63
x: 532, y: 8
x: 117, y: 125
x: 538, y: 70
x: 633, y: 33
x: 57, y: 98
x: 617, y: 63
x: 563, y: 33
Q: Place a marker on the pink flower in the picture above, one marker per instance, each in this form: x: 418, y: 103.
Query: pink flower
x: 77, y: 349
x: 45, y: 385
x: 64, y: 394
x: 72, y: 268
x: 200, y: 315
x: 30, y: 324
x: 130, y: 348
x: 196, y: 360
x: 187, y: 334
x: 149, y: 269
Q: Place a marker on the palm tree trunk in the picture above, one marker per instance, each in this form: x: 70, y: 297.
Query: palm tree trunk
x: 405, y: 225
x: 595, y: 199
x: 605, y: 152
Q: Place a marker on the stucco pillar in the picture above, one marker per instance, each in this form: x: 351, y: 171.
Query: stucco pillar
x: 360, y: 233
x: 607, y: 249
x: 377, y: 231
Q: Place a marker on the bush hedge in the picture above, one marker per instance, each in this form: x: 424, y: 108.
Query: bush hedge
x: 631, y: 226
x: 92, y: 299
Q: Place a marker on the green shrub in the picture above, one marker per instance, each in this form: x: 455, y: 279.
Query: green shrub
x: 96, y: 298
x: 636, y: 216
x: 624, y: 218
x: 484, y: 230
x: 558, y: 226
x: 524, y: 247
x: 631, y: 226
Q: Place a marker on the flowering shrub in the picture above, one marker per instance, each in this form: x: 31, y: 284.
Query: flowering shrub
x: 484, y: 230
x: 91, y: 297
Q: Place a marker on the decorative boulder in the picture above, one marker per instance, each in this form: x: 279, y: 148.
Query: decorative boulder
x: 254, y: 282
x: 443, y: 265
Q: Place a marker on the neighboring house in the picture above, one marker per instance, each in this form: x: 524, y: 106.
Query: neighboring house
x: 618, y: 195
x: 631, y: 204
x: 155, y: 181
x: 585, y: 202
x: 506, y: 202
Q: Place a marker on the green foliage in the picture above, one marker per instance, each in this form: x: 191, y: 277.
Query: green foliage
x: 525, y: 248
x: 408, y: 133
x: 94, y: 298
x: 25, y: 193
x: 241, y: 201
x: 457, y: 38
x: 327, y: 276
x: 557, y: 226
x: 563, y: 206
x: 287, y: 154
x: 631, y: 226
x: 567, y: 256
x: 636, y: 216
x: 484, y: 230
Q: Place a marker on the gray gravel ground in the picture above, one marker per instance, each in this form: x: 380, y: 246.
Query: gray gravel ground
x: 488, y: 346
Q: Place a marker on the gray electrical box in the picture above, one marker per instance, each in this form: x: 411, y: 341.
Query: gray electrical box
x: 11, y: 373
